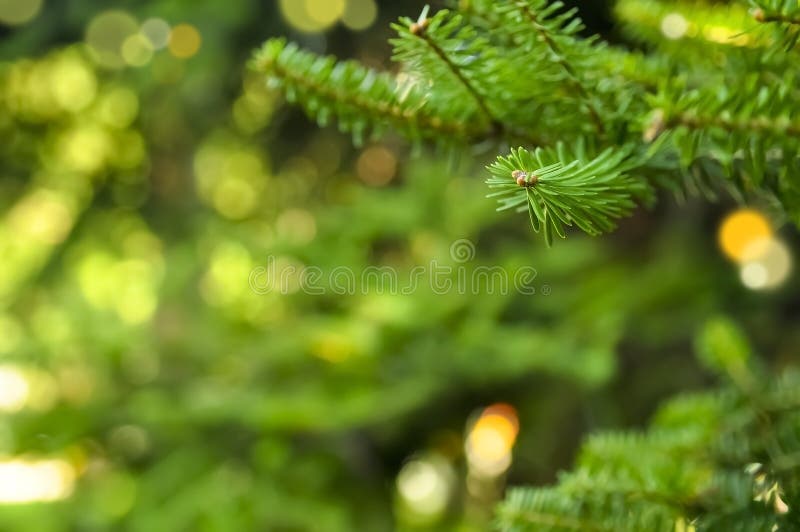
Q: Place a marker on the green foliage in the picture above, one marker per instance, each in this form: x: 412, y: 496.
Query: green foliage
x: 592, y: 193
x: 363, y: 101
x: 711, y: 461
x: 520, y: 71
x: 144, y: 205
x: 784, y: 12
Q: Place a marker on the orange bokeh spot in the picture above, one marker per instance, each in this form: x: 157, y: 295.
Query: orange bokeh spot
x: 493, y: 434
x: 740, y: 230
x: 376, y: 166
x: 184, y: 41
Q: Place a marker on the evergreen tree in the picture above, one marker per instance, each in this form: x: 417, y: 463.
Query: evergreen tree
x: 707, y: 105
x: 599, y: 126
x: 155, y: 377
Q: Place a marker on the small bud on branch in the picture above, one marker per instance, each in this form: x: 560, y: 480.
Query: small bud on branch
x: 524, y: 179
x: 418, y: 27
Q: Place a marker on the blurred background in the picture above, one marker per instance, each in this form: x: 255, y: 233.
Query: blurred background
x: 145, y: 385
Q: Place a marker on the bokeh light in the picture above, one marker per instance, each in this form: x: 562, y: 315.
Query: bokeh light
x: 424, y: 486
x: 28, y: 388
x: 14, y: 389
x: 296, y: 226
x: 106, y: 34
x: 312, y: 16
x: 124, y: 280
x: 26, y: 481
x: 230, y: 176
x: 184, y: 41
x: 118, y: 107
x: 490, y: 440
x: 74, y: 84
x: 224, y: 283
x: 16, y: 12
x: 253, y: 109
x: 137, y: 50
x: 674, y: 26
x: 83, y: 148
x: 332, y: 346
x: 129, y: 440
x: 768, y: 265
x: 325, y: 12
x: 156, y: 31
x: 359, y: 14
x: 120, y: 307
x: 376, y: 165
x: 43, y: 216
x: 740, y: 229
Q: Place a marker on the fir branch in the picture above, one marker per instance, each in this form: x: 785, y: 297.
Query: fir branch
x: 591, y: 193
x: 463, y: 83
x: 549, y: 49
x: 529, y: 12
x: 420, y: 30
x: 448, y: 55
x: 452, y: 60
x: 779, y: 11
x: 584, y: 483
x: 545, y: 509
x: 358, y: 97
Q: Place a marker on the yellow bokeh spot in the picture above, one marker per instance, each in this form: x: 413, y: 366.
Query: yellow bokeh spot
x: 294, y: 12
x: 16, y: 12
x: 125, y: 282
x: 137, y: 50
x: 14, y: 389
x: 28, y: 90
x: 741, y: 229
x: 726, y: 35
x: 43, y: 216
x: 253, y: 109
x: 26, y: 481
x: 230, y: 176
x: 225, y: 281
x: 28, y: 388
x: 490, y: 440
x: 84, y: 149
x: 106, y: 34
x: 296, y: 226
x: 492, y: 437
x: 136, y: 299
x: 184, y: 41
x: 311, y: 16
x: 333, y: 347
x: 74, y: 84
x: 359, y: 14
x: 235, y: 198
x: 118, y: 107
x: 325, y: 12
